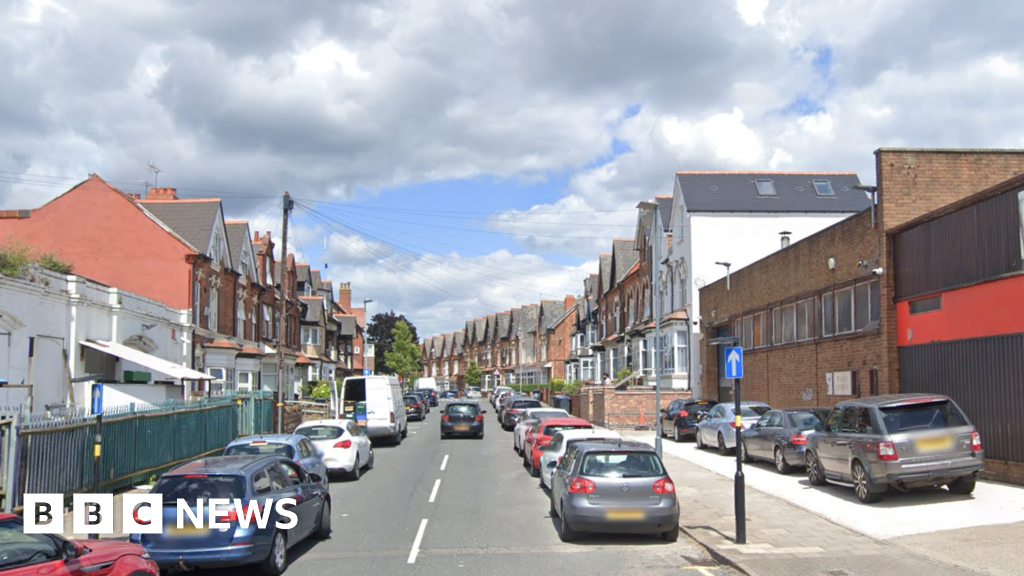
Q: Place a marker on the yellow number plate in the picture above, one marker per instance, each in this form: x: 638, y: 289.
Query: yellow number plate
x: 625, y: 515
x: 934, y: 444
x: 186, y: 530
x: 462, y: 428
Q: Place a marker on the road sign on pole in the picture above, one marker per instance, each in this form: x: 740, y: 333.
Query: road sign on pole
x: 734, y: 363
x: 97, y: 399
x: 366, y: 371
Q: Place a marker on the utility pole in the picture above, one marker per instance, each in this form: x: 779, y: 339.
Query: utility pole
x: 656, y: 287
x: 283, y: 323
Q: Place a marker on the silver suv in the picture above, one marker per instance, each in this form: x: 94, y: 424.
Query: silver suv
x: 902, y: 441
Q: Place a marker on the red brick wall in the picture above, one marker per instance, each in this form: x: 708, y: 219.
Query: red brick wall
x: 623, y: 409
x: 560, y: 345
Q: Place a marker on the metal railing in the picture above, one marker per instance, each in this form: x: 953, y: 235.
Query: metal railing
x: 48, y: 453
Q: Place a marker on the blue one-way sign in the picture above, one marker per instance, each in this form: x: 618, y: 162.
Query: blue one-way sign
x: 734, y: 362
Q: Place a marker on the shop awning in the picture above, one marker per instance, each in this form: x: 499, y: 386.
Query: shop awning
x: 148, y: 360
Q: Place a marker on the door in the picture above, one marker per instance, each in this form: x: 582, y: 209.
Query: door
x: 288, y: 481
x: 708, y: 428
x: 361, y: 441
x: 668, y: 417
x: 754, y: 439
x: 835, y: 446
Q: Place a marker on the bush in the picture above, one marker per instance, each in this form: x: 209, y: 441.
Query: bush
x: 15, y: 256
x: 321, y: 390
x: 622, y: 374
x: 52, y: 262
x: 572, y: 387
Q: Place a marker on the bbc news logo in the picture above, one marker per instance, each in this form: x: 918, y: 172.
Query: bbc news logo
x: 144, y: 514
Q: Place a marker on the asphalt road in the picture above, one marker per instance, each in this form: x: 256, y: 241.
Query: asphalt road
x: 436, y: 507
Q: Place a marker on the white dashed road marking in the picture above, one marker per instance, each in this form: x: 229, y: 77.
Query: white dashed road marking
x: 416, y: 543
x: 444, y: 463
x: 433, y: 493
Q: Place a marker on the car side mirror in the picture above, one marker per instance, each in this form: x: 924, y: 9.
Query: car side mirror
x: 316, y: 478
x: 552, y: 464
x: 483, y: 411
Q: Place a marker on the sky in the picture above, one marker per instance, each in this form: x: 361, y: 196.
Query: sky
x: 454, y: 158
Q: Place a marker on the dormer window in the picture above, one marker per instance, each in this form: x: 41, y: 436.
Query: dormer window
x: 823, y: 188
x: 765, y: 187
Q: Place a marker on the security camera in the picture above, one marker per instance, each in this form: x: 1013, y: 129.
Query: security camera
x: 878, y: 271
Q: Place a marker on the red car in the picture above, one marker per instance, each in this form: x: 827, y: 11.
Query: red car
x: 536, y: 441
x: 44, y: 554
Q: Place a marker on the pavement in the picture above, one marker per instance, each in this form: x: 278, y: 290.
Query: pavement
x: 797, y: 529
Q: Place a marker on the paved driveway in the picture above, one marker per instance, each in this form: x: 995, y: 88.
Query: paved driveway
x: 898, y: 514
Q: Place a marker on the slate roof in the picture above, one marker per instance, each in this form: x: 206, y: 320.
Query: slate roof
x: 664, y: 210
x: 551, y: 311
x: 479, y: 329
x: 530, y: 319
x: 504, y: 325
x: 606, y: 272
x: 460, y: 341
x: 313, y: 308
x: 517, y: 320
x: 302, y: 273
x: 238, y: 236
x: 624, y: 254
x: 644, y: 223
x: 438, y: 344
x: 737, y: 192
x: 193, y: 220
x: 348, y: 324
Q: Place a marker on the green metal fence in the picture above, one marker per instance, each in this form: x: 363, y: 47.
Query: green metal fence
x: 55, y: 455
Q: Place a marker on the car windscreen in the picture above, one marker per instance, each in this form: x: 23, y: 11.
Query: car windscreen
x: 466, y: 409
x: 410, y: 400
x: 541, y: 414
x: 925, y: 416
x: 551, y: 430
x: 261, y: 449
x: 520, y: 404
x: 754, y: 411
x: 621, y: 465
x: 194, y: 486
x: 807, y: 420
x: 20, y: 549
x: 321, y: 432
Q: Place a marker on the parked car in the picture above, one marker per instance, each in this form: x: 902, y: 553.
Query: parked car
x: 431, y: 396
x: 424, y: 401
x: 618, y: 487
x: 429, y: 387
x: 448, y: 394
x: 680, y: 419
x: 532, y: 416
x: 462, y: 418
x: 473, y: 392
x: 718, y: 428
x: 780, y: 437
x: 501, y: 398
x: 414, y: 408
x: 24, y: 554
x: 294, y: 447
x: 538, y: 439
x: 256, y: 480
x: 514, y: 409
x: 345, y: 447
x: 383, y: 411
x: 497, y: 392
x: 903, y: 441
x: 560, y: 442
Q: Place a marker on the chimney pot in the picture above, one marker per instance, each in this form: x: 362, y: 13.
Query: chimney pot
x: 162, y: 194
x: 785, y: 239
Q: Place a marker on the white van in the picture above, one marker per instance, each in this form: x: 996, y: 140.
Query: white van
x: 425, y: 384
x: 375, y: 403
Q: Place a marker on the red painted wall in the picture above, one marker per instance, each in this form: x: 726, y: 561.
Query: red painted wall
x: 985, y: 309
x: 107, y: 238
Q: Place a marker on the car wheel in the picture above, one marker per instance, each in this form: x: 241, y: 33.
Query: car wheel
x: 324, y: 531
x: 671, y: 535
x: 405, y: 432
x: 277, y: 560
x: 780, y: 461
x: 963, y: 485
x: 531, y: 468
x: 551, y: 507
x: 356, y: 471
x: 565, y: 532
x: 675, y: 434
x: 721, y: 445
x: 815, y: 475
x: 698, y: 440
x: 861, y: 485
x: 744, y: 455
x: 371, y: 460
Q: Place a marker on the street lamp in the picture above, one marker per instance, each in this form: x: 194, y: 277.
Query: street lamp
x: 739, y: 483
x: 365, y: 336
x: 728, y: 282
x: 656, y: 295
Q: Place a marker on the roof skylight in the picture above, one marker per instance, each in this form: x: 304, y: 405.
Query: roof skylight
x: 765, y: 187
x: 824, y: 188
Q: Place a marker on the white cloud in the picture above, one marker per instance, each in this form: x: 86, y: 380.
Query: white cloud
x: 1002, y: 68
x: 752, y: 11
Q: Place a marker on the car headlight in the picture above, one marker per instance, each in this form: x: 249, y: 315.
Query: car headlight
x: 145, y: 555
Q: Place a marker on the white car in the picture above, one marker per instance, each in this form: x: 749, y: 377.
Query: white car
x: 497, y: 391
x: 529, y: 417
x: 473, y: 392
x: 560, y: 442
x: 345, y: 446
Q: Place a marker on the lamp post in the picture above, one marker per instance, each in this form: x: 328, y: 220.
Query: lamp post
x: 656, y: 309
x: 365, y: 337
x: 728, y: 281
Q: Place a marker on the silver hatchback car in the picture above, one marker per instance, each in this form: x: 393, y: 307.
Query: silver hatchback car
x: 614, y: 486
x: 902, y: 441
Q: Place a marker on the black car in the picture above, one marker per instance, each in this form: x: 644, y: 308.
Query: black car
x: 414, y: 408
x: 680, y: 419
x: 780, y: 437
x: 462, y: 418
x: 515, y: 409
x: 421, y: 394
x: 258, y: 481
x: 431, y: 395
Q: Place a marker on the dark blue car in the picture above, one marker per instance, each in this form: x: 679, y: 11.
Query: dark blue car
x: 256, y: 480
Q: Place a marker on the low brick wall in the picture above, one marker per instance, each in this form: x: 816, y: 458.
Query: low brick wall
x: 1002, y: 471
x: 635, y: 407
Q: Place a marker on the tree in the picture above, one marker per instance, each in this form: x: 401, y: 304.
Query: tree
x: 404, y: 356
x: 381, y: 330
x: 473, y: 374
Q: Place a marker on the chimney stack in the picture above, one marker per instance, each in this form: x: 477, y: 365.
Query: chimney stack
x: 345, y: 296
x: 570, y: 301
x: 785, y: 239
x: 162, y: 194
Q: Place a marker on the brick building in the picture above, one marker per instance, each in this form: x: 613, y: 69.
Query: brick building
x: 818, y: 318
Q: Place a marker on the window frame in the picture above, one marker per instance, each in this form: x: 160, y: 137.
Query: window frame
x: 830, y: 193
